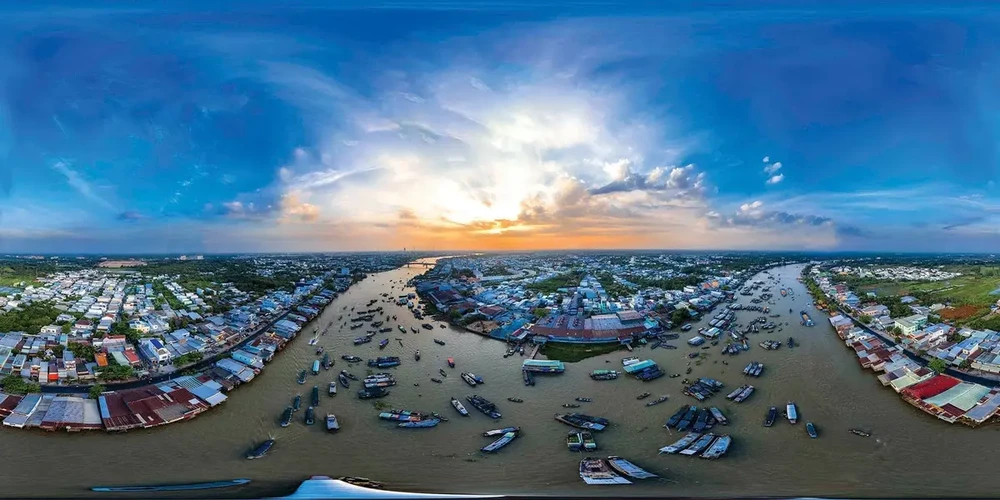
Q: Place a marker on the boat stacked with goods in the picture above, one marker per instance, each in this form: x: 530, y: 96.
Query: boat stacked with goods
x: 581, y: 421
x: 596, y: 471
x: 628, y: 469
x: 484, y: 405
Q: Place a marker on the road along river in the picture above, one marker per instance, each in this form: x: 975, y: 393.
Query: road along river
x: 909, y: 454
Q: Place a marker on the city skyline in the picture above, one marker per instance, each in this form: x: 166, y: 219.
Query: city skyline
x: 312, y: 130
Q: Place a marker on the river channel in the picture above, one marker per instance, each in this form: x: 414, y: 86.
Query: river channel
x: 909, y: 454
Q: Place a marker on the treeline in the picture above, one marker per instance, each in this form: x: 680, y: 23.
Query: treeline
x: 566, y: 280
x: 672, y: 283
x: 30, y: 318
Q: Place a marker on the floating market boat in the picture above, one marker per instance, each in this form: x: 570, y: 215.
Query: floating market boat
x: 477, y: 378
x: 595, y: 471
x: 643, y: 396
x: 435, y: 380
x: 582, y: 421
x: 574, y: 441
x: 657, y: 401
x: 589, y: 443
x: 383, y: 343
x: 402, y: 415
x: 315, y: 395
x: 420, y: 424
x: 302, y: 377
x: 327, y: 363
x: 332, y: 389
x: 718, y: 448
x: 500, y: 443
x: 438, y: 342
x: 362, y: 340
x: 286, y: 416
x: 791, y: 413
x: 719, y: 417
x: 700, y: 445
x: 515, y: 400
x: 469, y: 379
x: 681, y: 444
x: 451, y: 362
x: 401, y: 328
x: 499, y: 432
x: 584, y: 400
x: 343, y: 380
x: 442, y: 372
x: 811, y: 430
x: 628, y: 469
x: 459, y: 407
x: 297, y: 402
x: 170, y: 487
x: 351, y: 359
x: 373, y: 392
x: 688, y: 419
x: 332, y: 425
x: 315, y: 367
x: 604, y: 374
x: 771, y: 415
x: 859, y: 432
x: 484, y: 405
x: 310, y: 416
x: 384, y: 362
x: 313, y: 341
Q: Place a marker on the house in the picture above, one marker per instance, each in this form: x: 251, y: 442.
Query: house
x: 113, y: 343
x: 154, y: 351
x: 910, y: 324
x: 51, y: 330
x: 883, y: 322
x: 875, y: 311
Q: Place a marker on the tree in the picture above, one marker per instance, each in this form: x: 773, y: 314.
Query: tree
x: 84, y: 352
x: 937, y: 365
x: 866, y: 319
x: 66, y: 328
x: 17, y: 385
x: 117, y: 372
x: 57, y: 351
x: 96, y: 390
x: 965, y: 364
x: 679, y: 316
x: 541, y: 312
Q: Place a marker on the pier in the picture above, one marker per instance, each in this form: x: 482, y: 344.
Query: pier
x: 534, y: 351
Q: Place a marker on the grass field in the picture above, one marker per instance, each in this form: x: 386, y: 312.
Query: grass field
x: 963, y: 290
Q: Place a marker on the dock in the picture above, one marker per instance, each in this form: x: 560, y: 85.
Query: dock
x: 534, y: 351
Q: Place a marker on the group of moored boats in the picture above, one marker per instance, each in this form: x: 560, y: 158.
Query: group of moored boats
x: 703, y: 388
x: 706, y: 445
x: 696, y: 419
x: 753, y: 369
x: 614, y: 470
x: 582, y: 421
x: 740, y: 394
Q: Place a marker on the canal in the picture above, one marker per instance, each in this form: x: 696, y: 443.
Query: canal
x: 909, y: 454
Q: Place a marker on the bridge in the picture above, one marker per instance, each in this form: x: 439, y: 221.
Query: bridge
x: 420, y: 264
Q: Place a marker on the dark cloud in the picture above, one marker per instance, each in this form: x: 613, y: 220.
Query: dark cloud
x: 968, y: 221
x: 685, y: 180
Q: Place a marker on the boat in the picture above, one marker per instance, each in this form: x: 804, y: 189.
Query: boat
x: 811, y: 430
x: 484, y: 405
x: 313, y: 341
x: 718, y: 448
x: 681, y: 444
x: 570, y: 405
x: 589, y: 443
x: 584, y: 400
x: 628, y: 469
x: 469, y: 379
x: 859, y: 432
x: 384, y: 362
x: 700, y: 445
x: 442, y: 372
x: 438, y: 342
x: 373, y: 392
x: 791, y: 413
x: 170, y: 487
x: 604, y: 374
x: 420, y: 424
x: 332, y: 424
x: 500, y: 443
x: 459, y: 407
x: 302, y: 377
x: 326, y: 361
x: 688, y: 419
x: 343, y: 380
x: 297, y: 402
x: 596, y: 471
x: 498, y: 432
x: 416, y: 355
x: 515, y: 400
x: 310, y: 416
x: 401, y: 328
x: 676, y: 417
x: 771, y: 415
x: 435, y: 380
x: 350, y: 376
x: 332, y: 389
x: 362, y: 340
x: 315, y: 367
x: 719, y: 417
x: 351, y: 359
x: 657, y: 401
x: 574, y: 441
x: 451, y: 362
x: 383, y: 343
x: 427, y: 326
x: 315, y: 395
x: 643, y: 396
x: 529, y: 379
x: 260, y: 450
x: 701, y: 422
x: 286, y: 416
x: 581, y: 421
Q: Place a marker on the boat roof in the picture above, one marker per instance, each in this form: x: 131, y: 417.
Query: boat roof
x: 322, y: 487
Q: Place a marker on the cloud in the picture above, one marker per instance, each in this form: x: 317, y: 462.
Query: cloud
x: 775, y: 179
x: 77, y: 182
x: 772, y: 168
x: 766, y: 159
x: 130, y: 216
x: 295, y: 210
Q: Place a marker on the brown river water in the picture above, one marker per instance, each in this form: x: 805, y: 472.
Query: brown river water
x: 909, y: 454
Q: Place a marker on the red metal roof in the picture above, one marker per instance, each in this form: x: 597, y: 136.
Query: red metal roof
x: 930, y: 387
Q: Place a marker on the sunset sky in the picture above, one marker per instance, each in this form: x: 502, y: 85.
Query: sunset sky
x: 796, y: 126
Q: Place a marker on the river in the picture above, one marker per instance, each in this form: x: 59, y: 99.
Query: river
x: 910, y: 454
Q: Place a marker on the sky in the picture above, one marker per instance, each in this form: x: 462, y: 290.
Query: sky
x: 481, y: 125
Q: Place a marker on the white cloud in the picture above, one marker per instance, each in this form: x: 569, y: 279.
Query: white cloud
x: 776, y: 179
x: 766, y: 159
x: 751, y: 207
x: 772, y: 168
x: 78, y: 183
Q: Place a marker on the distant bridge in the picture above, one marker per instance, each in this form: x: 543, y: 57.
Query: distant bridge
x: 420, y: 264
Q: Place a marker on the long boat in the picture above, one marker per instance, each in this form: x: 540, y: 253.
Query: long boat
x: 171, y: 487
x: 771, y: 415
x: 351, y: 359
x: 459, y: 407
x: 791, y: 412
x: 582, y: 421
x: 500, y: 432
x: 467, y: 377
x: 628, y: 469
x: 596, y: 471
x: 676, y: 417
x: 315, y: 367
x: 315, y: 395
x: 343, y: 380
x: 681, y: 444
x: 286, y: 417
x: 719, y: 417
x: 718, y: 447
x: 484, y: 405
x: 333, y: 388
x: 699, y: 445
x: 260, y: 450
x: 500, y: 443
x: 420, y: 424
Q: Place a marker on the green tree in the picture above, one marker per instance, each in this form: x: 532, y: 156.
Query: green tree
x: 66, y: 328
x: 965, y: 364
x: 96, y: 390
x: 13, y: 384
x: 937, y: 365
x: 57, y: 351
x: 84, y: 352
x: 541, y: 312
x: 679, y: 316
x: 866, y: 319
x: 117, y: 372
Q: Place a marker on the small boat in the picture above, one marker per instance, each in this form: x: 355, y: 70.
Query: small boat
x: 589, y: 443
x: 297, y: 402
x: 811, y: 430
x: 700, y: 445
x: 171, y: 487
x: 351, y: 359
x: 260, y: 450
x: 459, y: 407
x: 500, y: 443
x: 416, y: 355
x: 438, y: 342
x: 313, y: 341
x: 373, y: 392
x: 413, y: 329
x: 315, y: 395
x: 442, y: 372
x: 484, y: 405
x: 319, y: 350
x: 643, y: 396
x: 383, y: 343
x: 718, y: 448
x: 451, y: 362
x: 435, y: 380
x: 584, y: 400
x: 499, y: 432
x: 286, y: 416
x: 401, y: 328
x: 570, y: 405
x: 681, y: 444
x: 515, y: 400
x: 628, y: 469
x: 859, y: 432
x: 657, y: 401
x: 350, y: 376
x: 468, y: 378
x: 332, y: 424
x: 420, y: 424
x: 310, y: 416
x: 595, y: 471
x: 574, y: 441
x: 343, y: 380
x: 771, y: 415
x: 315, y: 367
x: 302, y: 377
x: 332, y: 389
x: 791, y: 413
x: 719, y: 417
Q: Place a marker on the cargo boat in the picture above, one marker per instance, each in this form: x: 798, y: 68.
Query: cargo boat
x: 315, y: 367
x: 332, y: 425
x: 681, y: 444
x: 500, y: 432
x: 374, y: 392
x: 315, y: 395
x: 384, y: 362
x: 286, y: 416
x: 582, y: 421
x: 595, y: 471
x: 718, y: 448
x: 574, y: 441
x: 351, y: 359
x: 260, y: 450
x: 171, y: 487
x: 500, y: 443
x: 790, y: 411
x: 469, y: 379
x: 628, y: 469
x: 771, y: 415
x: 589, y: 443
x: 699, y: 445
x: 806, y: 320
x: 327, y: 363
x: 310, y: 416
x: 604, y: 374
x: 420, y: 424
x: 459, y: 407
x: 484, y: 405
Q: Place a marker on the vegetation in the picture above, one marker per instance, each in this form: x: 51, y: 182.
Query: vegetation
x: 96, y: 390
x: 463, y: 273
x: 117, y: 372
x: 186, y: 359
x: 17, y: 385
x: 242, y: 274
x: 497, y: 270
x: 937, y: 365
x: 571, y: 353
x: 673, y: 283
x: 540, y: 312
x: 679, y: 316
x: 613, y: 287
x: 82, y: 351
x: 30, y: 318
x: 14, y: 272
x: 552, y: 285
x: 122, y: 328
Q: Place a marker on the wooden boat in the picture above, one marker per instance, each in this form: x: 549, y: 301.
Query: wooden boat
x: 416, y: 355
x: 589, y: 443
x: 459, y: 407
x: 442, y: 372
x: 435, y: 380
x: 643, y: 396
x: 719, y: 417
x: 700, y: 445
x: 451, y: 362
x: 718, y: 447
x: 310, y: 416
x: 859, y: 432
x: 574, y: 441
x: 596, y: 471
x: 515, y: 400
x: 332, y: 389
x: 811, y: 430
x: 570, y: 405
x: 791, y: 412
x: 438, y: 342
x: 771, y: 415
x: 332, y: 425
x: 628, y: 469
x: 682, y: 443
x: 500, y: 443
x: 584, y: 400
x: 170, y: 487
x: 657, y: 401
x: 260, y: 450
x: 500, y: 432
